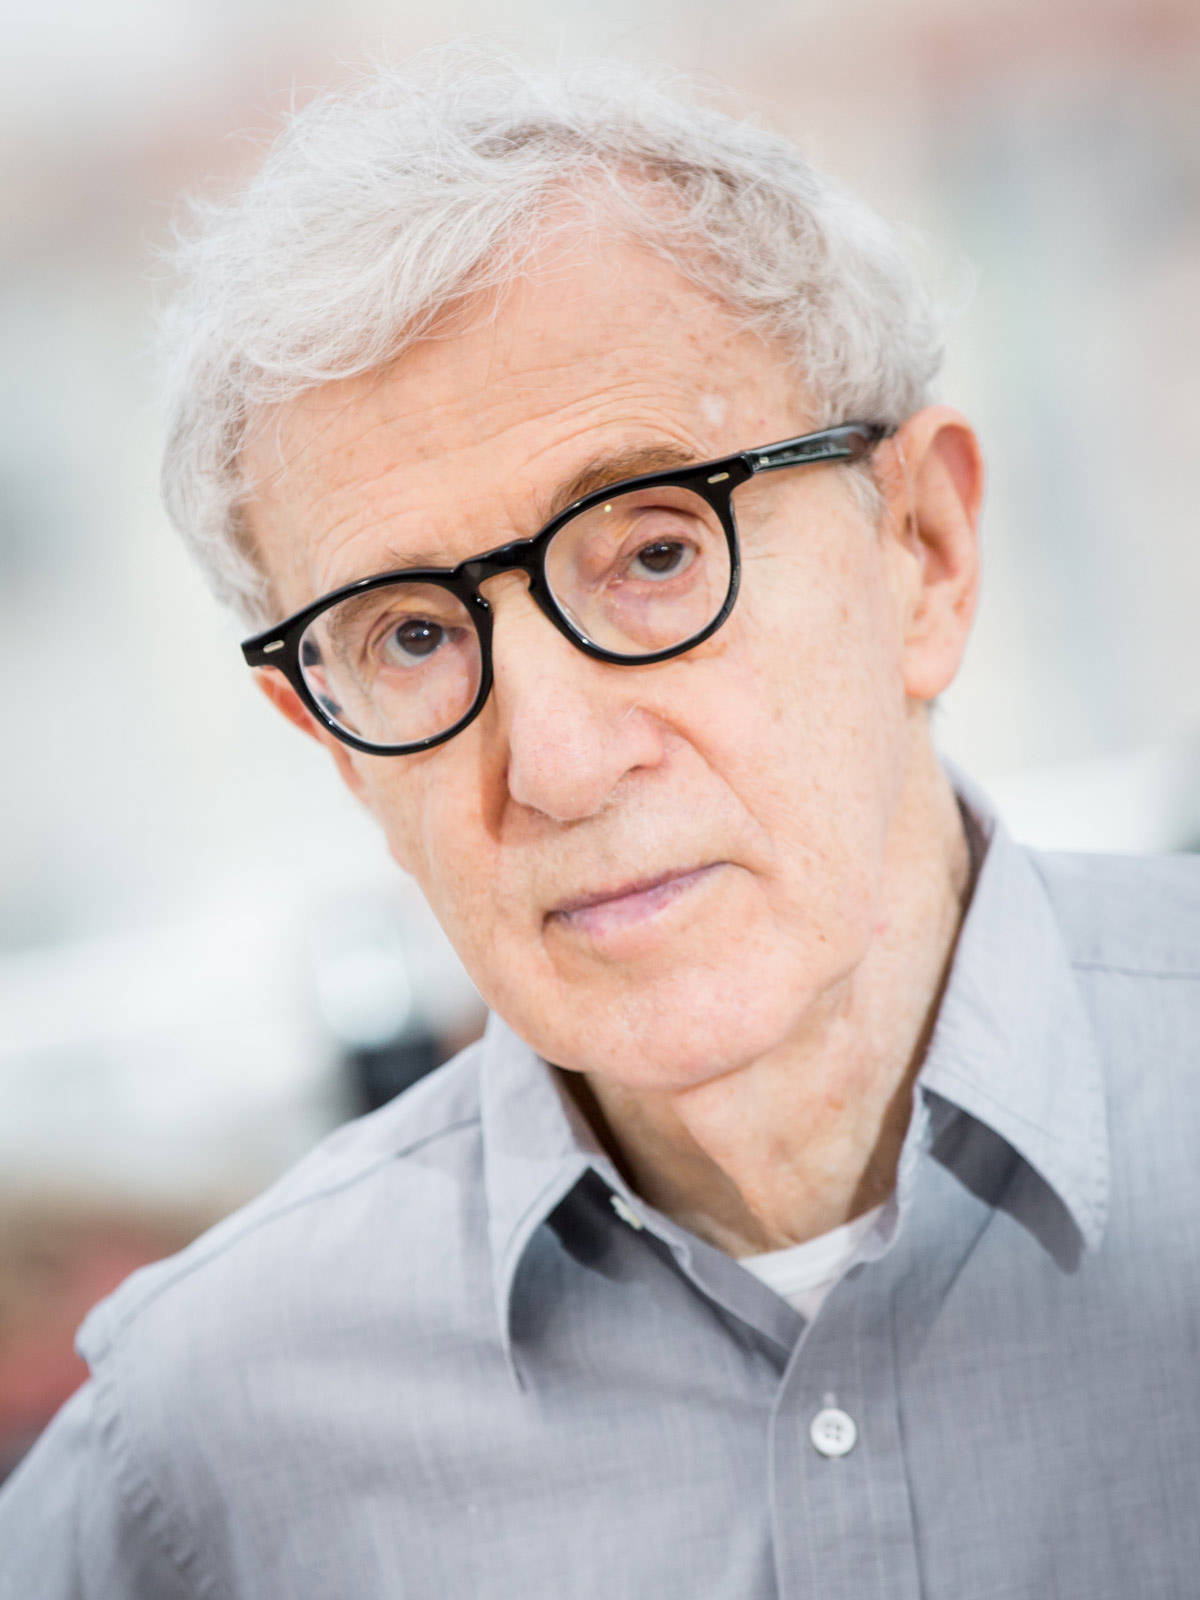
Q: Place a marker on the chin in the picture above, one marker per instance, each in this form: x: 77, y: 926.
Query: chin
x: 681, y: 1035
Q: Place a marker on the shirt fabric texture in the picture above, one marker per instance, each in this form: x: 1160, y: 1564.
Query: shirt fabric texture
x: 434, y: 1361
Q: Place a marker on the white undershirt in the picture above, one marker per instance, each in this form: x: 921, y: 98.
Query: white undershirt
x: 805, y: 1273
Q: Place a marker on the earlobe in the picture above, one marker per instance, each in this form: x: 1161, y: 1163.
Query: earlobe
x: 941, y: 467
x: 285, y: 700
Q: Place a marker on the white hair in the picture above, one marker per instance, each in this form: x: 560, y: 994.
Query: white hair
x: 381, y: 208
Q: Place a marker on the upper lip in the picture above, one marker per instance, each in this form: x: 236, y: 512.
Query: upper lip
x: 636, y: 886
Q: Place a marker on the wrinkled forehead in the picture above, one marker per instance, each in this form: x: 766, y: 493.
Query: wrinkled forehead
x: 601, y: 362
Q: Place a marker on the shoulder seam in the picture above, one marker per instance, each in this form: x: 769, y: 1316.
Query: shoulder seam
x: 283, y: 1210
x: 1126, y: 971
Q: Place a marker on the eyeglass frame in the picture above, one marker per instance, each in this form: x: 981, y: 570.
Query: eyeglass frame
x: 713, y: 481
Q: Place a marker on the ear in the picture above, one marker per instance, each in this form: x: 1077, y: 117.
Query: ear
x: 285, y: 699
x: 933, y: 477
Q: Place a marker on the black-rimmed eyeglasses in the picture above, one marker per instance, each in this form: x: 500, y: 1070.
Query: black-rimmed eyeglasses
x: 637, y: 572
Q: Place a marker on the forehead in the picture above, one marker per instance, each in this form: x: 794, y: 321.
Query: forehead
x: 598, y: 357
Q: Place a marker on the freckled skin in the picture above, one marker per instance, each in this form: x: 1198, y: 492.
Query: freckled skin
x: 788, y: 988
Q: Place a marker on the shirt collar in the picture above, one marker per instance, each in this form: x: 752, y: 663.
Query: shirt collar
x: 536, y: 1147
x: 1012, y: 1047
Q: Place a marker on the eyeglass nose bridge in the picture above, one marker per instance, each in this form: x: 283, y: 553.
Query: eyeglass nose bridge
x: 527, y: 556
x: 523, y: 555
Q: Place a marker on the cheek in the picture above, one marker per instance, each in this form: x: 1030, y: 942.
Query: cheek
x: 813, y: 720
x: 436, y: 824
x: 426, y: 820
x: 819, y: 653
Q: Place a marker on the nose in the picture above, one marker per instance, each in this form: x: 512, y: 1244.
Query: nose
x: 571, y: 725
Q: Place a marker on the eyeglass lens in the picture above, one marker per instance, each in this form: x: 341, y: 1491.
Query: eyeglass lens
x: 639, y: 573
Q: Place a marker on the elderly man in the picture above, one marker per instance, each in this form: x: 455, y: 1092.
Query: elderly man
x: 816, y: 1216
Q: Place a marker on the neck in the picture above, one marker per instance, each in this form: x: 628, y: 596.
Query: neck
x: 809, y: 1136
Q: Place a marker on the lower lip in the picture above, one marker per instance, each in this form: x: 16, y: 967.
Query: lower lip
x: 627, y: 910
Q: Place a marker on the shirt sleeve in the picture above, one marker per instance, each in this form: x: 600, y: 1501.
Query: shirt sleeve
x: 67, y: 1531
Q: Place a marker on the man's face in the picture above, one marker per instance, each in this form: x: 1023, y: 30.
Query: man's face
x: 653, y: 873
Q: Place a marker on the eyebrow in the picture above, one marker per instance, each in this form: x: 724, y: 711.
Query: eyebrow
x: 615, y: 467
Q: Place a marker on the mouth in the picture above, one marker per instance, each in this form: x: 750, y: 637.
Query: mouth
x: 611, y: 909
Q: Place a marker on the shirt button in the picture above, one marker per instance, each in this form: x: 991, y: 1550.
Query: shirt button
x: 625, y: 1211
x: 833, y: 1433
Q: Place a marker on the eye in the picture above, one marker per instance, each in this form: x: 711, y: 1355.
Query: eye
x: 415, y: 639
x: 665, y: 558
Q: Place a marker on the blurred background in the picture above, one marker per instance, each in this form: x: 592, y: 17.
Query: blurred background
x: 206, y: 959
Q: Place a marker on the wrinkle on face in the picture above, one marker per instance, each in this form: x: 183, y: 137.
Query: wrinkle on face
x: 774, y: 746
x: 516, y: 400
x: 368, y: 504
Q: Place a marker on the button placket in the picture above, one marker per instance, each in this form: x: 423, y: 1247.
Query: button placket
x: 841, y: 1512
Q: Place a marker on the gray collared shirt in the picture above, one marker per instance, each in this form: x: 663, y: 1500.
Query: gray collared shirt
x: 437, y: 1360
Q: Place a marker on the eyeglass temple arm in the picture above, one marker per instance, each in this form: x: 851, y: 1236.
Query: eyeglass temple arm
x: 850, y: 442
